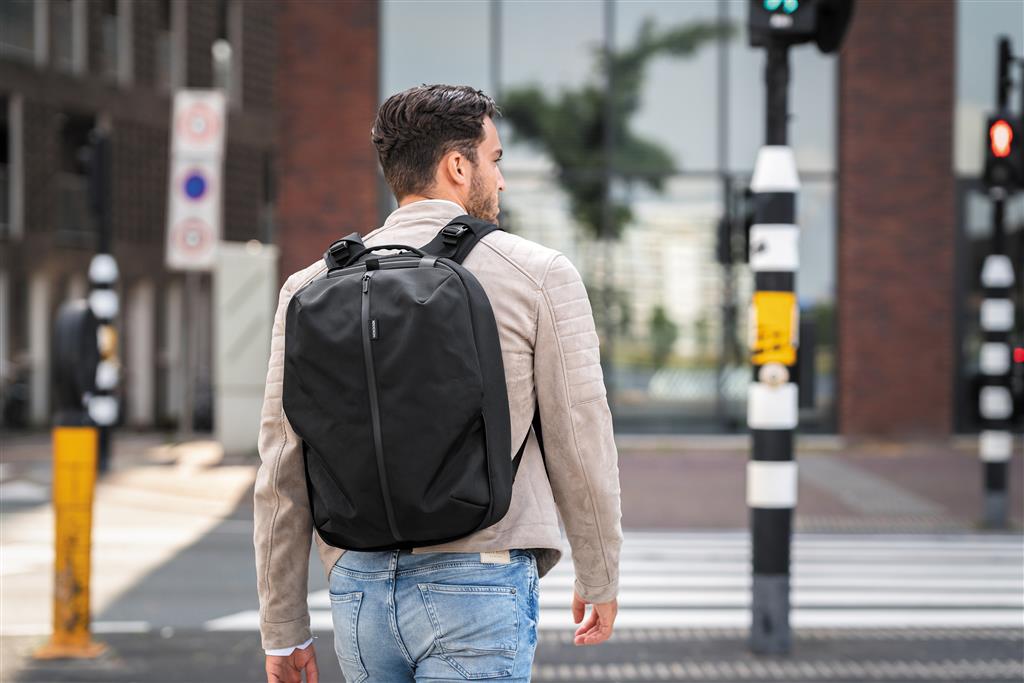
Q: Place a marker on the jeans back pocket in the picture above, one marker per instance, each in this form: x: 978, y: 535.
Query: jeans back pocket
x: 345, y: 615
x: 476, y: 628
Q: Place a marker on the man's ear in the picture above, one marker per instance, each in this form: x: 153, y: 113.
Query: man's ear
x: 455, y: 168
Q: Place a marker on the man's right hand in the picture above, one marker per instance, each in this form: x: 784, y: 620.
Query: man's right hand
x: 289, y: 669
x: 598, y: 627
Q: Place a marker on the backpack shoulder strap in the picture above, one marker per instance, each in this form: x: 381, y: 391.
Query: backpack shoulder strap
x: 458, y: 238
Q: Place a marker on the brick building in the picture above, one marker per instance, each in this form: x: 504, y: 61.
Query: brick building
x: 67, y: 66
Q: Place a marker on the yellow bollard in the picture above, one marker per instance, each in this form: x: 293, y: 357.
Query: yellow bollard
x: 74, y: 479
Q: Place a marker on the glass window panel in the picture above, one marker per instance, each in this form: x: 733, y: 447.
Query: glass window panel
x: 63, y: 36
x: 979, y: 25
x: 572, y: 36
x: 433, y: 42
x: 17, y: 28
x: 678, y: 106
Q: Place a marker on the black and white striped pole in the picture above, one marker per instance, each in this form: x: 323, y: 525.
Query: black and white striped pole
x: 773, y: 398
x: 1004, y: 174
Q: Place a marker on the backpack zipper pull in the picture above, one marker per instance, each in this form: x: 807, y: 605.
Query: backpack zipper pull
x: 366, y: 283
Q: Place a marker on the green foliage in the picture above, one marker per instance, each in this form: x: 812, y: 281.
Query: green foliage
x: 570, y: 127
x: 663, y: 336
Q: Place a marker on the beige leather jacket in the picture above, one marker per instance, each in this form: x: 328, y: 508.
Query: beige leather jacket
x: 550, y: 350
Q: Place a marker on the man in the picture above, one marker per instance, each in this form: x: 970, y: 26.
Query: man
x: 468, y: 608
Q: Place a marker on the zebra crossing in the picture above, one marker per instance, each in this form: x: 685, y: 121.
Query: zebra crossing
x: 673, y: 580
x: 702, y: 580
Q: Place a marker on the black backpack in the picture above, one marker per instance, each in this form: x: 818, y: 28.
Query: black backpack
x: 394, y: 382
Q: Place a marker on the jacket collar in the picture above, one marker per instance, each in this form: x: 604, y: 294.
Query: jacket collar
x: 429, y: 212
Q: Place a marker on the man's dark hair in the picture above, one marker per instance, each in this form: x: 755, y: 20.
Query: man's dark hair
x: 418, y: 126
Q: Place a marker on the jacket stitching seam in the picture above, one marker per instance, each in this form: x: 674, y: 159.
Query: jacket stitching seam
x: 515, y: 265
x: 276, y: 473
x: 572, y: 423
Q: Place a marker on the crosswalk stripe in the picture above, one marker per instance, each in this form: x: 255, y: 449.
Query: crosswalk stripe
x: 702, y: 580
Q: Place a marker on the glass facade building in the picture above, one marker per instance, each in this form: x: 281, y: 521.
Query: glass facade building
x: 676, y: 359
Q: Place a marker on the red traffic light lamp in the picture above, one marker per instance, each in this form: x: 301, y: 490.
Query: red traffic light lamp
x: 1000, y: 137
x: 1004, y: 161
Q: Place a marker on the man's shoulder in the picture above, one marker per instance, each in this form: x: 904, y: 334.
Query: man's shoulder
x: 531, y: 259
x: 301, y: 277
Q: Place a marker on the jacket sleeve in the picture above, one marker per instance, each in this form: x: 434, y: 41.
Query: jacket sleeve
x: 579, y: 444
x: 283, y: 523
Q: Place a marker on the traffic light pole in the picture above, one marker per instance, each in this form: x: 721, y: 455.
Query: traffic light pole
x: 772, y: 405
x: 995, y: 400
x: 103, y: 299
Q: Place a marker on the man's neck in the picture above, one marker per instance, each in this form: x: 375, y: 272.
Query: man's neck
x: 410, y: 198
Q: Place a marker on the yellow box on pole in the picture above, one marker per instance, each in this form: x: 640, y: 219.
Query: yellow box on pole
x: 775, y: 321
x: 74, y: 480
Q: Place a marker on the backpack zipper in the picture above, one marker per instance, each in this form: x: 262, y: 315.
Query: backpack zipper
x: 371, y: 382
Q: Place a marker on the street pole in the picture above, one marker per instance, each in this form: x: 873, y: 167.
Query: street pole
x: 186, y: 426
x: 772, y: 400
x: 995, y: 400
x: 608, y: 237
x: 103, y: 299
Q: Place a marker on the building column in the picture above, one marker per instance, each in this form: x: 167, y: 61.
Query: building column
x: 897, y: 220
x: 39, y: 324
x: 5, y: 326
x: 140, y: 340
x: 171, y: 357
x: 327, y: 184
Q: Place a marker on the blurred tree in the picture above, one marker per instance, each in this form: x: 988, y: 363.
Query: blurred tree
x: 663, y: 336
x: 570, y: 128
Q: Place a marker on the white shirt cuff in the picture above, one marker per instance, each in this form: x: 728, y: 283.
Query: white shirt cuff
x: 285, y: 651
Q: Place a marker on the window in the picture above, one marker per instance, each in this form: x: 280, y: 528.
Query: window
x: 17, y: 28
x: 12, y: 170
x: 69, y: 34
x: 672, y: 319
x: 5, y: 202
x: 110, y: 38
x: 226, y: 51
x: 169, y: 47
x: 75, y: 219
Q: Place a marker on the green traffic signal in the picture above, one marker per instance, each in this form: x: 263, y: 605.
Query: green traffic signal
x: 789, y: 6
x: 772, y: 5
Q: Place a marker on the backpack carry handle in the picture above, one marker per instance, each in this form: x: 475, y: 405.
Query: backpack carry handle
x: 353, y: 257
x: 360, y: 254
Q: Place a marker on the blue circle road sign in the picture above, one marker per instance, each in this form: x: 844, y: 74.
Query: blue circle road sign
x: 195, y: 185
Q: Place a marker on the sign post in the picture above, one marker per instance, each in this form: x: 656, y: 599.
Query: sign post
x: 194, y: 210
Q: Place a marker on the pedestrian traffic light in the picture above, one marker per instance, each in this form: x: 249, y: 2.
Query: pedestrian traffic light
x: 1004, y: 160
x: 790, y: 22
x: 76, y: 356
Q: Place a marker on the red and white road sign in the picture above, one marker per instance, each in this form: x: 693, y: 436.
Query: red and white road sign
x: 194, y: 201
x: 199, y: 123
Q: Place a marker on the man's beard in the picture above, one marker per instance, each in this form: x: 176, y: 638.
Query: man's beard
x: 481, y: 203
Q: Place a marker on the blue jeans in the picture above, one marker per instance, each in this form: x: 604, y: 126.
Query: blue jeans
x: 434, y: 616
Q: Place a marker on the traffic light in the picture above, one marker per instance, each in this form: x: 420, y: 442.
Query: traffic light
x: 1004, y: 159
x: 76, y: 356
x: 790, y: 22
